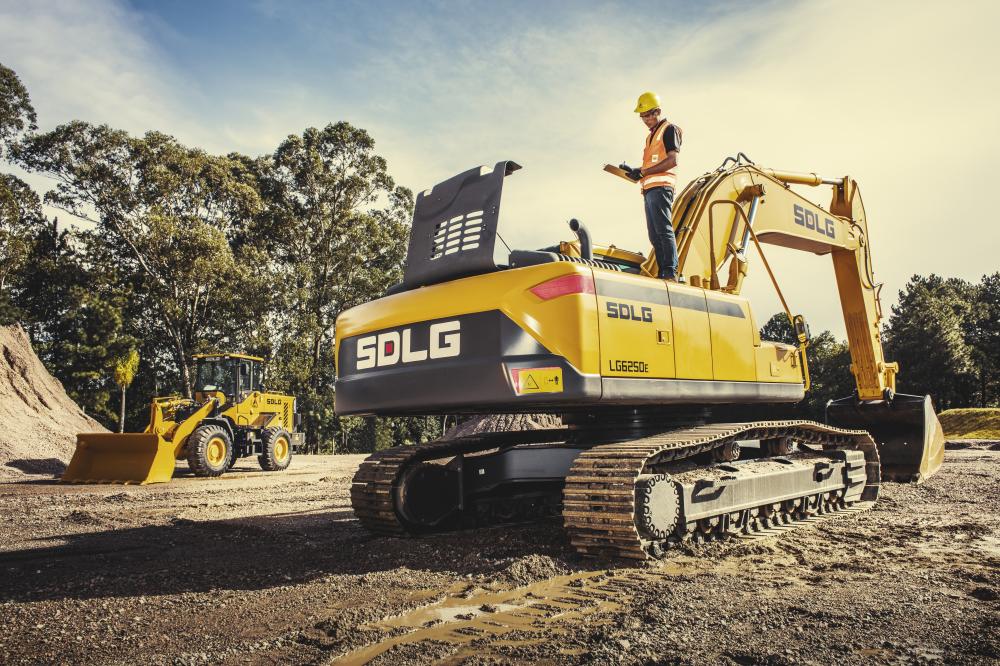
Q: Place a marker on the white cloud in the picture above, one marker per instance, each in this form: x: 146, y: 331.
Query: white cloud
x: 88, y: 60
x: 902, y: 96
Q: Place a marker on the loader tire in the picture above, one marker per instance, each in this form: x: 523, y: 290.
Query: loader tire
x: 209, y: 450
x: 276, y: 449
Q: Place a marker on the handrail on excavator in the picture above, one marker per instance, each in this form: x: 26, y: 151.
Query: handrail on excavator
x: 716, y: 285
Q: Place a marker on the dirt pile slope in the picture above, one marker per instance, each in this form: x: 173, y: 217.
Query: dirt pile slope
x: 973, y: 423
x: 40, y: 421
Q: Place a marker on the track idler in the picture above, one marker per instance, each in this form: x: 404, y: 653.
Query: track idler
x: 906, y: 429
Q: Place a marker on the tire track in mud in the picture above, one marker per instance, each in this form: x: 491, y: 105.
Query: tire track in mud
x: 526, y: 612
x: 530, y: 614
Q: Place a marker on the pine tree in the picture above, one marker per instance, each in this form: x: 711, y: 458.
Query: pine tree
x: 927, y: 336
x: 984, y: 338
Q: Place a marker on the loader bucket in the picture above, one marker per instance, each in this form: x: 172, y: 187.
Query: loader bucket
x: 906, y: 429
x: 121, y: 458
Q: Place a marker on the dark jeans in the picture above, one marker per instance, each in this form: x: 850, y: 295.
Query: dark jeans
x: 659, y: 207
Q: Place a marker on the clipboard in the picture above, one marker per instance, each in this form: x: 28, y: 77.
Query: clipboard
x: 617, y: 171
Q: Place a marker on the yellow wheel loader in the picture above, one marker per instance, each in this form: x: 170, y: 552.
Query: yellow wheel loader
x: 679, y: 420
x: 230, y: 416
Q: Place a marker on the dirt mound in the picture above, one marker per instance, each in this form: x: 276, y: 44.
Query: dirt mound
x: 503, y: 423
x: 972, y: 423
x: 40, y: 421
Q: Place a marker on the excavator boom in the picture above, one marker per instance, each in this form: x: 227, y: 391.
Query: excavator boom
x: 712, y: 233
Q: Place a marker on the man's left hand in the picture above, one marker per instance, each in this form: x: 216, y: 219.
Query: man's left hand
x: 635, y: 174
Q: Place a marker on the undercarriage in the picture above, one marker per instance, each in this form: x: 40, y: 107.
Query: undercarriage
x: 629, y: 494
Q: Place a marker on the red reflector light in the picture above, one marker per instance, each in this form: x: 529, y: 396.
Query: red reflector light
x: 574, y: 283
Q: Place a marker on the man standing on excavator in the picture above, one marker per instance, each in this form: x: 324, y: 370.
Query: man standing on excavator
x: 657, y: 176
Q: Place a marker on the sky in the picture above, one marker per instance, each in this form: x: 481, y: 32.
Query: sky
x: 902, y: 96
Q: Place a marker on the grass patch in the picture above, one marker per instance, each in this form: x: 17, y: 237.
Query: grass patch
x: 980, y: 423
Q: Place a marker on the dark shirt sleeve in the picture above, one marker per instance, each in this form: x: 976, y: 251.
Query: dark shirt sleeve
x: 672, y: 139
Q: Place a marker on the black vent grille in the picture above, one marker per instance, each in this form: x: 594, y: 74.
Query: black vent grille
x: 455, y: 227
x: 459, y: 234
x: 590, y: 262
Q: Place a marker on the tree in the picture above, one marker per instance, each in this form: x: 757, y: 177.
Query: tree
x: 20, y: 207
x: 163, y: 214
x: 983, y: 334
x: 125, y: 368
x: 335, y: 223
x: 17, y: 115
x: 779, y: 329
x: 829, y: 373
x: 20, y: 216
x: 75, y: 317
x: 829, y: 365
x: 927, y: 335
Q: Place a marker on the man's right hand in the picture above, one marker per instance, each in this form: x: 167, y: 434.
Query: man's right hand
x: 634, y: 174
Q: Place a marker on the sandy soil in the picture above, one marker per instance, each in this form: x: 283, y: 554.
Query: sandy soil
x: 40, y: 421
x: 272, y: 568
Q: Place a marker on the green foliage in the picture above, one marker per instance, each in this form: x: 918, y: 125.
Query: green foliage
x: 163, y: 216
x: 375, y: 434
x: 20, y: 216
x: 829, y: 373
x: 190, y: 252
x: 216, y: 253
x: 983, y: 334
x: 76, y: 322
x: 779, y: 329
x: 829, y: 365
x: 20, y: 207
x: 928, y: 335
x: 334, y: 223
x: 125, y: 368
x: 16, y: 113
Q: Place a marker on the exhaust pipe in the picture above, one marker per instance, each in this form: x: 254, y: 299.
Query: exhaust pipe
x: 907, y: 431
x: 586, y: 249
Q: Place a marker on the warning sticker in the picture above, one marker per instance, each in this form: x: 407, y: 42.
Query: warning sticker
x: 536, y: 380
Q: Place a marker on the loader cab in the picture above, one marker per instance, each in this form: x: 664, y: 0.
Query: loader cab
x: 233, y: 375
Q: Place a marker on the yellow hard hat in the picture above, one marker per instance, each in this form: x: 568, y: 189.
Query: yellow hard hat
x: 647, y: 102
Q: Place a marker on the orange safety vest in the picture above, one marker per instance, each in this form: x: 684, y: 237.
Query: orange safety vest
x: 655, y: 151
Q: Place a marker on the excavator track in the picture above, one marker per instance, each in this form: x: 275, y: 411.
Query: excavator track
x: 373, y: 489
x: 600, y: 511
x: 600, y: 493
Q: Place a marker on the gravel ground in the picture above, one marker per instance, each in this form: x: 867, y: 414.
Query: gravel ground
x: 272, y: 568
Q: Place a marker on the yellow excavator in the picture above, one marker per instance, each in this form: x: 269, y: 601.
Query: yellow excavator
x: 230, y: 416
x: 679, y: 419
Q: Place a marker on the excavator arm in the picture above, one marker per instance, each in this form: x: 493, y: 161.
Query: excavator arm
x: 720, y: 216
